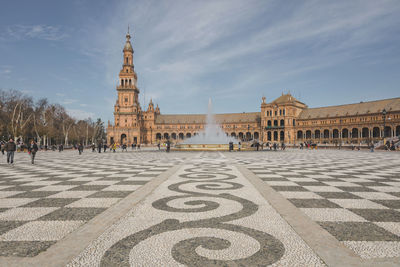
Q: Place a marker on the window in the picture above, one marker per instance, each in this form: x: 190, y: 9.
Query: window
x: 127, y: 60
x: 126, y: 100
x: 280, y: 112
x: 276, y: 112
x: 284, y: 112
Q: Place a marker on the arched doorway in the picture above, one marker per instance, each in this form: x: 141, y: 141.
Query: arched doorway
x: 299, y: 134
x: 388, y: 131
x: 398, y: 130
x: 233, y: 134
x: 335, y: 133
x: 188, y: 135
x: 326, y: 134
x: 308, y: 134
x: 354, y: 133
x: 345, y: 133
x: 173, y: 135
x: 375, y: 132
x: 365, y: 132
x: 166, y: 136
x: 181, y: 136
x: 256, y: 135
x: 123, y: 138
x: 248, y: 136
x: 111, y: 140
x: 317, y: 134
x: 241, y: 135
x: 158, y: 136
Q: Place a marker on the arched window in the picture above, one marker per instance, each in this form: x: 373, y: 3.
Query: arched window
x: 282, y: 122
x: 122, y: 82
x: 326, y: 134
x: 308, y: 134
x: 354, y: 133
x: 294, y: 122
x: 275, y: 122
x: 335, y: 133
x: 375, y: 132
x: 284, y: 113
x: 280, y: 112
x: 317, y: 134
x: 269, y: 136
x: 130, y: 81
x: 345, y: 133
x: 365, y: 132
x: 282, y: 136
x: 275, y: 135
x: 127, y: 60
x: 269, y: 123
x: 299, y: 134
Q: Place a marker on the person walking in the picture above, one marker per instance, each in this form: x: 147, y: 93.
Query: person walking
x: 168, y: 146
x: 33, y: 149
x: 158, y: 145
x: 80, y: 148
x: 239, y: 145
x: 10, y: 147
x: 2, y: 147
x: 99, y: 146
x: 105, y: 148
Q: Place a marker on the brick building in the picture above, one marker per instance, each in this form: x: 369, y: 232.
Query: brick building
x: 284, y: 119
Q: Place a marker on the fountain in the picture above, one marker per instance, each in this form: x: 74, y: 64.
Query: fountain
x: 211, y: 138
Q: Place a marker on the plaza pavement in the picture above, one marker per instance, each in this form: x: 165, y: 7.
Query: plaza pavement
x: 151, y: 208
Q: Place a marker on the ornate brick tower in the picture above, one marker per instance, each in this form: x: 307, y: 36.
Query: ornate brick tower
x: 127, y: 108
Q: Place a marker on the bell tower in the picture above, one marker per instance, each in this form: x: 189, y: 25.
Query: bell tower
x: 127, y: 107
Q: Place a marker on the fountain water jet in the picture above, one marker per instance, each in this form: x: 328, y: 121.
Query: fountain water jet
x: 211, y: 138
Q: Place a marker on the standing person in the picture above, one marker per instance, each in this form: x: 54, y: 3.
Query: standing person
x: 124, y: 148
x: 257, y: 146
x: 168, y: 146
x: 114, y: 147
x: 133, y: 146
x: 10, y: 147
x: 80, y: 148
x: 33, y: 148
x: 158, y: 145
x: 105, y: 148
x: 99, y: 146
x: 2, y: 147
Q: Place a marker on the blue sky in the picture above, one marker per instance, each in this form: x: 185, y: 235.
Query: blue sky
x: 323, y: 52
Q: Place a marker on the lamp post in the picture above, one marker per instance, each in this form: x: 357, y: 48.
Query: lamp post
x: 151, y: 135
x: 384, y: 123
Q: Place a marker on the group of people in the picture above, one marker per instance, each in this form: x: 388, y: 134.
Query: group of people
x: 10, y: 147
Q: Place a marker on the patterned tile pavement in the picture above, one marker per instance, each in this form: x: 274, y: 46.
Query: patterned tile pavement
x: 354, y: 195
x: 42, y: 203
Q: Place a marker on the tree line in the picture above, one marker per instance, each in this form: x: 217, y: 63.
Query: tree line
x: 23, y: 119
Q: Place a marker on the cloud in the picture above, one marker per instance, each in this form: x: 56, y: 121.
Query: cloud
x: 80, y: 114
x: 216, y: 48
x: 39, y: 31
x: 69, y: 101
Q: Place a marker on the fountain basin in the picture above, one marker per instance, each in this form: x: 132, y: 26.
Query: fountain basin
x: 204, y: 147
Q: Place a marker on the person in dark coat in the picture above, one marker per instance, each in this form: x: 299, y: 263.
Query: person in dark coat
x: 10, y: 147
x: 168, y: 146
x: 33, y: 148
x: 105, y: 148
x: 80, y: 148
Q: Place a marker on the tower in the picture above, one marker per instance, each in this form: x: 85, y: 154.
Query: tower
x: 127, y: 107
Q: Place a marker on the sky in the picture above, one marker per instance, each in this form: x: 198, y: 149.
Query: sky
x: 234, y: 52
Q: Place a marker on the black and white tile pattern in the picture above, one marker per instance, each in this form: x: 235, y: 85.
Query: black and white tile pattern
x: 354, y: 195
x: 40, y: 204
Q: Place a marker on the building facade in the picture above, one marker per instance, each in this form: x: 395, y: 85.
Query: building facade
x: 284, y: 119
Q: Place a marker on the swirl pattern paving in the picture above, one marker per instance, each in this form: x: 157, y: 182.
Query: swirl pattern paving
x: 207, y: 214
